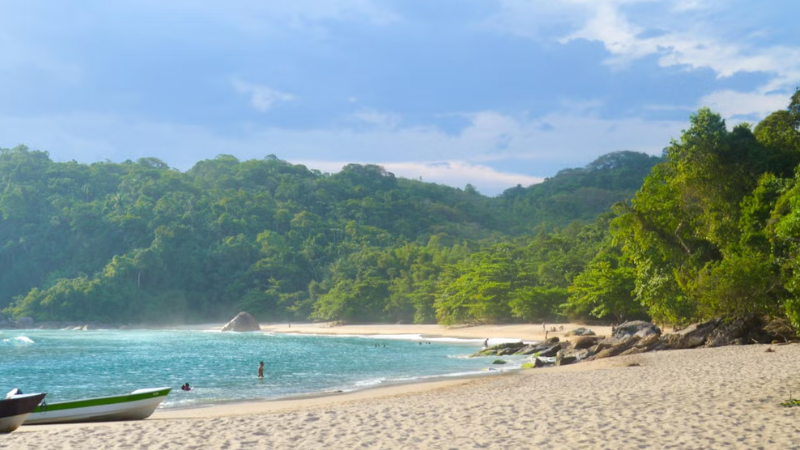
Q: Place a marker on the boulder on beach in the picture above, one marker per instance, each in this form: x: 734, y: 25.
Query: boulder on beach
x: 565, y: 360
x: 639, y: 328
x: 242, y: 322
x: 581, y: 331
x: 742, y: 330
x: 585, y: 342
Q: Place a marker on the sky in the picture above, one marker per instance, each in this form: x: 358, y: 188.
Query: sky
x: 493, y: 93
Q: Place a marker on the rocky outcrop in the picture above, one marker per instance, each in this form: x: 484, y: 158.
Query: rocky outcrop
x: 693, y: 336
x: 518, y: 348
x: 565, y: 360
x: 581, y: 332
x: 242, y: 322
x: 506, y: 348
x: 584, y: 341
x: 638, y: 336
x: 617, y: 348
x: 635, y: 327
x: 746, y: 330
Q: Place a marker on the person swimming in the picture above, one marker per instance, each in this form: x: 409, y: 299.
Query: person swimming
x: 261, y: 370
x: 186, y: 387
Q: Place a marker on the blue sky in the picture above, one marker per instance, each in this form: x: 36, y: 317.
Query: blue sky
x: 489, y: 92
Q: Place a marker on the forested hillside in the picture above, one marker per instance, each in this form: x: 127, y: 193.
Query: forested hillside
x: 580, y: 194
x: 710, y: 230
x: 713, y: 232
x: 141, y: 242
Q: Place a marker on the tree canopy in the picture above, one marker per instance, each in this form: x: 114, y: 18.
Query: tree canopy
x: 141, y: 242
x: 709, y: 229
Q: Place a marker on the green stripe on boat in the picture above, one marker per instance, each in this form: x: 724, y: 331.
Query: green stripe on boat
x: 101, y: 401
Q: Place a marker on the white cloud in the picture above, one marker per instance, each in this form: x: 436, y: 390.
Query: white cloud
x: 262, y: 98
x: 682, y: 33
x: 690, y: 5
x: 376, y: 118
x: 534, y: 18
x: 452, y: 173
x: 732, y: 103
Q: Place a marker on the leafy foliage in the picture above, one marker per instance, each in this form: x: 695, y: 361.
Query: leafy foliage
x: 139, y: 241
x: 710, y: 229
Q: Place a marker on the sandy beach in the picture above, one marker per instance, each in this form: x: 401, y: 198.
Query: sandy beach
x: 685, y: 399
x: 525, y: 332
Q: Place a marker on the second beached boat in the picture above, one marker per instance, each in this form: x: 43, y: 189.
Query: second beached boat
x: 137, y: 405
x: 15, y: 408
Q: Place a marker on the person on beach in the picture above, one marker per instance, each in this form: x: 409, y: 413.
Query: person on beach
x: 486, y: 343
x: 261, y: 370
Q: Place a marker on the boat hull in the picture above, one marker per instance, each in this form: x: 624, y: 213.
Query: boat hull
x: 15, y: 410
x: 134, y: 406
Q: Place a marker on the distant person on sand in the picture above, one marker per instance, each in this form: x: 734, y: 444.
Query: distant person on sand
x: 544, y: 327
x: 486, y: 344
x: 261, y: 370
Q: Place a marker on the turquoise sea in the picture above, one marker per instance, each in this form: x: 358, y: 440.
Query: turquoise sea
x: 221, y: 367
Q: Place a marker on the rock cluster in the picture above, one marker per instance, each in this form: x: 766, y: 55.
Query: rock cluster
x: 242, y: 322
x: 638, y: 337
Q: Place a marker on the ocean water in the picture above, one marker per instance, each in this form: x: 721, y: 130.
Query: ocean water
x: 222, y: 367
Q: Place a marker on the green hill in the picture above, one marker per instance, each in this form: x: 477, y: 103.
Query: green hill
x: 139, y: 241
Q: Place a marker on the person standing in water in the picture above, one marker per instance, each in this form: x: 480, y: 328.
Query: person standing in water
x: 261, y: 370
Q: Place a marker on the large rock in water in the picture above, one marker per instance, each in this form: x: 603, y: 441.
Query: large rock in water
x: 242, y: 322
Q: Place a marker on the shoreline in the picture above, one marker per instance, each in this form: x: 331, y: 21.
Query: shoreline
x: 401, y: 332
x: 512, y: 332
x: 687, y: 399
x: 425, y: 332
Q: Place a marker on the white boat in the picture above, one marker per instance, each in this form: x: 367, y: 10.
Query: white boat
x: 16, y: 408
x: 137, y: 405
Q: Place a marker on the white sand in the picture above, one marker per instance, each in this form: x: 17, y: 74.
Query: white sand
x: 690, y: 399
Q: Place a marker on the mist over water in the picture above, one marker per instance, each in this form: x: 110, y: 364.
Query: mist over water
x: 221, y: 367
